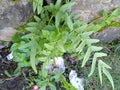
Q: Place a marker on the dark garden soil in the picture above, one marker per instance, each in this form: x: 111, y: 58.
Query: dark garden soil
x: 7, y: 82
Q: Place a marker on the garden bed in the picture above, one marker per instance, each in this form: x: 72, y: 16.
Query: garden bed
x: 55, y: 51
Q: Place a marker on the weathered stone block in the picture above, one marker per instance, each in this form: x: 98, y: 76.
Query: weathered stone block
x: 14, y: 14
x: 91, y: 9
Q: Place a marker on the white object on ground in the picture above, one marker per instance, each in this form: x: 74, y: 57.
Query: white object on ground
x: 56, y: 64
x: 75, y: 81
x: 10, y: 56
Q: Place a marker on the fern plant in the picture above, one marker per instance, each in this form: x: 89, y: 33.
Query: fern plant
x: 55, y: 31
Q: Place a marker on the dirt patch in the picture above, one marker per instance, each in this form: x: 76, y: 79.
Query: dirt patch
x: 17, y: 83
x: 6, y: 82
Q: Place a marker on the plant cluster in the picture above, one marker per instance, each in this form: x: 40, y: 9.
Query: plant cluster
x: 55, y: 31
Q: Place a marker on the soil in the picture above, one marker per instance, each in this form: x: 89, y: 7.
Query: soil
x: 6, y: 82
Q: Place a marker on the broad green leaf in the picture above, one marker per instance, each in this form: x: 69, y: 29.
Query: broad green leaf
x: 87, y: 55
x: 108, y: 76
x: 69, y: 23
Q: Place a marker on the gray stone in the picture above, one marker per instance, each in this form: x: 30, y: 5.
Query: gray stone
x: 91, y: 9
x: 7, y: 33
x: 108, y: 35
x: 14, y: 14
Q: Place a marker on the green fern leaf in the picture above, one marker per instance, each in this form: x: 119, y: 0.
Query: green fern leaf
x: 109, y: 77
x: 66, y: 6
x: 86, y: 57
x: 58, y: 3
x: 96, y: 55
x: 86, y: 34
x: 104, y: 64
x: 80, y: 47
x: 57, y: 19
x: 32, y: 58
x: 91, y: 41
x: 69, y: 22
x: 100, y: 71
x: 96, y: 48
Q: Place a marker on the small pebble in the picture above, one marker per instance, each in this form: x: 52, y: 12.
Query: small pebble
x: 1, y: 74
x: 10, y: 56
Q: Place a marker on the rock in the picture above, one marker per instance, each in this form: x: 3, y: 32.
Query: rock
x: 14, y: 14
x: 108, y: 35
x: 77, y: 82
x: 56, y: 64
x: 7, y: 33
x: 91, y: 9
